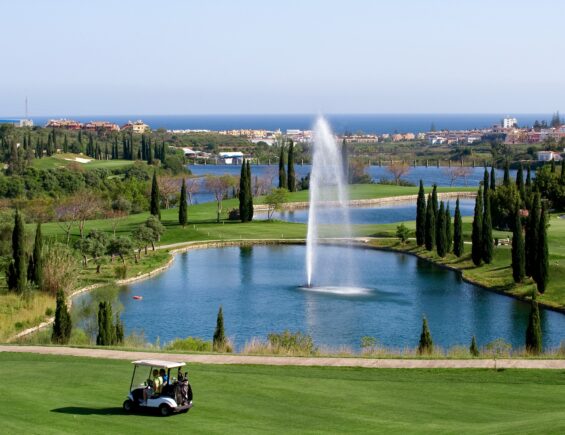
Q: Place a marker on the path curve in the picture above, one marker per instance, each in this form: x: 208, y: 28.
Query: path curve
x: 295, y: 361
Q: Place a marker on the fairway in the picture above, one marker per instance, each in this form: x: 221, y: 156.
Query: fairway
x: 55, y: 394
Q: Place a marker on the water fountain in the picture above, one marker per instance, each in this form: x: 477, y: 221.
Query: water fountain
x: 328, y: 187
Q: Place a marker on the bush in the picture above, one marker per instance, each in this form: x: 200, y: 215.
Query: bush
x: 121, y: 271
x: 389, y: 182
x: 498, y: 348
x: 194, y: 344
x: 292, y: 342
x: 60, y: 269
x: 49, y: 312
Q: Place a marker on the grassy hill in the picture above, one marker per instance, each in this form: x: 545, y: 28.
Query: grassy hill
x: 65, y: 160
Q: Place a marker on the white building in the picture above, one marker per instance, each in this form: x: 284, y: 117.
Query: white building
x: 509, y: 122
x: 548, y: 156
x: 232, y: 158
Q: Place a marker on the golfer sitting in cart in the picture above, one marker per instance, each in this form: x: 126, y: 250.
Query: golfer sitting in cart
x: 153, y: 386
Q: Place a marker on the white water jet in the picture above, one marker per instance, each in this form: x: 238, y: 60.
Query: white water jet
x: 327, y: 184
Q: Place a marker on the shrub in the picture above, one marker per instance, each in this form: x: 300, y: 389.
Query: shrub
x: 402, y: 233
x: 59, y: 268
x: 498, y: 348
x: 121, y: 271
x: 49, y: 312
x: 194, y: 344
x: 292, y: 342
x: 368, y: 343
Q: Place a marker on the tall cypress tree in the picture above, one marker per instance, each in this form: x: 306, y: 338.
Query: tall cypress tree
x: 282, y: 173
x: 542, y: 270
x: 533, y: 331
x: 16, y: 275
x: 243, y: 193
x: 249, y: 199
x: 441, y: 242
x: 506, y: 180
x: 520, y: 182
x: 529, y: 177
x: 518, y: 254
x: 183, y: 206
x: 477, y: 234
x: 155, y: 200
x: 430, y: 236
x: 345, y: 161
x: 448, y: 229
x: 562, y: 173
x: 291, y: 174
x: 421, y: 216
x: 219, y: 339
x: 106, y: 328
x: 485, y: 179
x: 492, y: 178
x: 532, y: 228
x: 62, y: 326
x: 552, y: 167
x: 458, y: 245
x: 487, y: 243
x: 426, y: 344
x: 435, y: 204
x: 35, y: 268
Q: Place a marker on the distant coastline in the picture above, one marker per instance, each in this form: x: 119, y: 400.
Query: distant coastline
x: 341, y: 123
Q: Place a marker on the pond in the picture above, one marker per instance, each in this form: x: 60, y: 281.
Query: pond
x: 375, y: 214
x: 261, y: 290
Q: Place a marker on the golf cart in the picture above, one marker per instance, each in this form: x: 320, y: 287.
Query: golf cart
x: 172, y: 396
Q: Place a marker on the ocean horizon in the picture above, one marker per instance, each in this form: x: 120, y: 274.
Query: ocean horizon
x: 378, y: 123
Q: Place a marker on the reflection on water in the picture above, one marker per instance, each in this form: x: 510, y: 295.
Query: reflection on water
x: 259, y: 289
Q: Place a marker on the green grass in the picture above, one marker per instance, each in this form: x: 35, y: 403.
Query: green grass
x: 60, y: 161
x: 53, y: 394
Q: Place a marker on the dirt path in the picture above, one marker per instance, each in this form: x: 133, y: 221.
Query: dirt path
x: 294, y: 361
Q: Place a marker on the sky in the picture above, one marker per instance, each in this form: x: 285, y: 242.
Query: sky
x: 304, y: 56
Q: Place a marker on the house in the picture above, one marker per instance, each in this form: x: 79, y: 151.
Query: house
x: 138, y: 127
x: 548, y: 156
x: 231, y: 157
x: 509, y: 122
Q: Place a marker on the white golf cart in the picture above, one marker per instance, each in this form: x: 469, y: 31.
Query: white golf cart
x: 173, y: 396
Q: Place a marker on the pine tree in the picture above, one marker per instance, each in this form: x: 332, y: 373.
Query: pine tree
x: 487, y: 242
x: 430, y: 235
x: 16, y: 275
x: 35, y: 267
x: 532, y: 228
x: 291, y: 173
x: 249, y: 202
x: 477, y: 234
x: 282, y: 173
x: 506, y: 180
x: 448, y: 230
x: 474, y: 349
x: 492, y: 178
x: 542, y: 270
x: 435, y: 205
x: 458, y: 245
x: 62, y: 326
x: 421, y: 216
x: 533, y: 331
x: 426, y: 345
x: 155, y: 200
x: 183, y: 206
x: 441, y: 242
x: 219, y: 339
x: 520, y: 182
x: 518, y: 254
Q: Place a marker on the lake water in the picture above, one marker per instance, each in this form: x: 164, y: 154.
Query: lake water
x: 375, y: 214
x: 260, y: 291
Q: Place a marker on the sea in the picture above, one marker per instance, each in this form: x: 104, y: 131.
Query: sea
x: 341, y: 123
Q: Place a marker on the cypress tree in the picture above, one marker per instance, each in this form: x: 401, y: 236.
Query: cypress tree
x: 421, y: 216
x: 345, y: 161
x: 441, y: 242
x: 529, y: 177
x: 448, y: 229
x: 243, y: 212
x: 520, y: 182
x: 430, y: 236
x: 518, y: 254
x: 542, y: 270
x: 62, y: 326
x: 477, y: 235
x: 282, y: 173
x: 474, y: 349
x: 119, y: 328
x: 552, y: 166
x: 249, y: 201
x: 35, y: 270
x: 291, y: 174
x: 155, y: 200
x: 458, y: 245
x: 533, y: 331
x: 487, y: 243
x: 106, y: 328
x: 426, y: 345
x: 562, y: 174
x: 149, y: 152
x: 65, y: 144
x: 219, y: 339
x: 16, y: 275
x: 485, y: 179
x: 506, y: 180
x: 183, y: 206
x: 492, y: 178
x: 434, y: 201
x: 532, y: 228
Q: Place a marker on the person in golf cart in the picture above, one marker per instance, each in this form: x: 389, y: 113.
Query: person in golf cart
x: 153, y: 387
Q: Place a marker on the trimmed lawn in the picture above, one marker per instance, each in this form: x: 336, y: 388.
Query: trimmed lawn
x: 64, y: 160
x: 56, y: 394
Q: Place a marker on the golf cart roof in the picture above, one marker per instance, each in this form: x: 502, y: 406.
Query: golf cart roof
x: 158, y: 363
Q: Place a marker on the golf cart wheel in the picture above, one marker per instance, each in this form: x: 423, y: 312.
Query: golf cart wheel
x: 128, y: 406
x: 165, y: 410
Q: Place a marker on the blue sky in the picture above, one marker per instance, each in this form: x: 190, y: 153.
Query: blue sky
x: 245, y: 56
